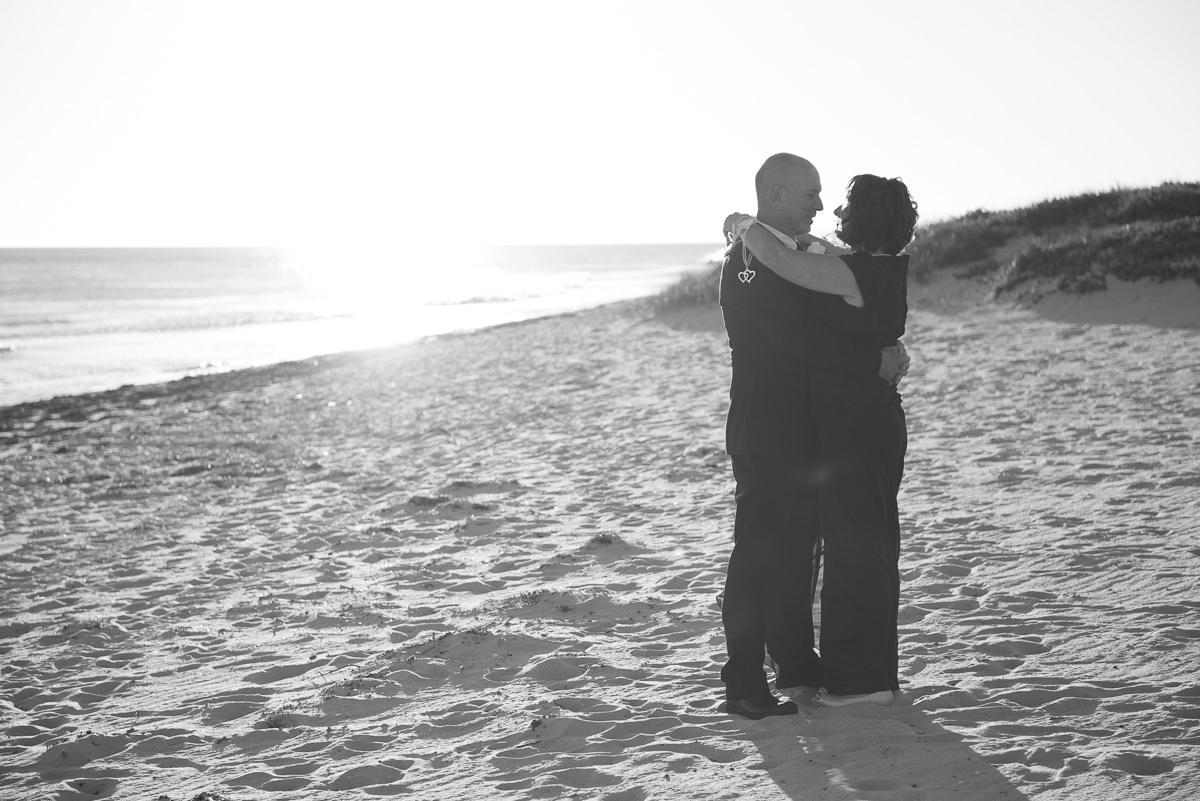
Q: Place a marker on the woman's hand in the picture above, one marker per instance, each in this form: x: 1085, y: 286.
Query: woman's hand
x: 736, y: 225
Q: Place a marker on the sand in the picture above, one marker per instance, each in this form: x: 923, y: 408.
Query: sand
x: 483, y: 567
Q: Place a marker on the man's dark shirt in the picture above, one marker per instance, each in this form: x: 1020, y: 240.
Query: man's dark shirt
x: 773, y: 340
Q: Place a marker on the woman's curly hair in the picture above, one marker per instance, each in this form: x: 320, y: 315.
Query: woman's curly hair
x: 882, y: 215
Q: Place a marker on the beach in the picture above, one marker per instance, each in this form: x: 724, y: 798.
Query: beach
x: 483, y: 566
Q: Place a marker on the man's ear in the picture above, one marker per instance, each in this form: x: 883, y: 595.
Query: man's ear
x: 777, y: 195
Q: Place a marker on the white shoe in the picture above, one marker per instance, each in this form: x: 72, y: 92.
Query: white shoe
x: 883, y: 698
x: 806, y: 696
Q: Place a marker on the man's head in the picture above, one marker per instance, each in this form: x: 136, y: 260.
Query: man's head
x: 789, y: 193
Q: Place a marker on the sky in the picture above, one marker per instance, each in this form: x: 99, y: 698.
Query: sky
x: 296, y: 122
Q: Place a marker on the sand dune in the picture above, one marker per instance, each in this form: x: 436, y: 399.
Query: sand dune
x: 484, y: 567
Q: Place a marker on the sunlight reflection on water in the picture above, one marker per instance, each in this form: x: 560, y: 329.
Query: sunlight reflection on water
x: 84, y: 322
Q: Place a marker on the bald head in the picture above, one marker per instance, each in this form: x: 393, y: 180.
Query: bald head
x: 789, y: 193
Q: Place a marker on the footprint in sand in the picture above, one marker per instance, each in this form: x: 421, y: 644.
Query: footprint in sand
x: 232, y: 710
x: 259, y: 780
x: 1187, y: 705
x: 464, y: 487
x: 369, y: 743
x: 20, y: 737
x: 578, y: 779
x: 605, y: 548
x: 460, y: 657
x: 951, y: 570
x: 95, y: 788
x: 89, y: 748
x: 1013, y: 647
x: 1140, y: 764
x: 377, y: 777
x: 557, y: 669
x: 458, y: 719
x: 92, y: 694
x: 988, y: 667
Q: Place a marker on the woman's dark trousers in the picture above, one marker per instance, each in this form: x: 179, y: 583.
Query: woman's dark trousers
x: 864, y: 448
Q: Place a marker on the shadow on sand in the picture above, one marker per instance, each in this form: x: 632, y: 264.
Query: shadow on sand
x: 896, y: 753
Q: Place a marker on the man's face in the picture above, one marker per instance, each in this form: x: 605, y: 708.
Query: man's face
x: 803, y: 199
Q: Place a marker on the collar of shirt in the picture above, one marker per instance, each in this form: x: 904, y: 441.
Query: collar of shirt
x: 788, y: 242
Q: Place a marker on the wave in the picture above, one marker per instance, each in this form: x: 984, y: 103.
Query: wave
x: 36, y: 328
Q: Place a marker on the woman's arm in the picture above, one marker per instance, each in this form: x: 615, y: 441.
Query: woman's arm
x: 827, y: 274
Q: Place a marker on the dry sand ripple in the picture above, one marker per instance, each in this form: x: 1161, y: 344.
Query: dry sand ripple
x: 483, y: 567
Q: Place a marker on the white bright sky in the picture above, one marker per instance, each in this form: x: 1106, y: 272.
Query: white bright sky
x: 259, y: 122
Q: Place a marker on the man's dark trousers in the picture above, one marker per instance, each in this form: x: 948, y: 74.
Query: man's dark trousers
x: 768, y: 586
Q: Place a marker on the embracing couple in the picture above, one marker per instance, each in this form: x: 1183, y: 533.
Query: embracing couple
x: 817, y: 438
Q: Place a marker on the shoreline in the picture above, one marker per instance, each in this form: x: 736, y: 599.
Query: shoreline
x: 1174, y: 304
x: 353, y: 335
x: 483, y: 565
x: 188, y: 321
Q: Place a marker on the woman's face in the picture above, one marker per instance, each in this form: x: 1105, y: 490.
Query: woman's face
x: 842, y: 212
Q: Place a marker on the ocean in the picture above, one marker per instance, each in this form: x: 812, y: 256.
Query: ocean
x: 84, y: 320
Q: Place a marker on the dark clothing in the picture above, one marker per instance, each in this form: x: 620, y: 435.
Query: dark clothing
x: 862, y: 439
x: 770, y: 435
x: 860, y: 527
x: 769, y: 583
x: 773, y: 338
x: 883, y: 282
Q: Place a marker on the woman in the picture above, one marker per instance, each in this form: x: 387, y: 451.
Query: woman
x: 861, y: 431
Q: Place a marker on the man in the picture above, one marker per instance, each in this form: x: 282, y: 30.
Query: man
x: 772, y: 444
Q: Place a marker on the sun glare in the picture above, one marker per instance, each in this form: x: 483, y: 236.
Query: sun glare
x: 375, y: 278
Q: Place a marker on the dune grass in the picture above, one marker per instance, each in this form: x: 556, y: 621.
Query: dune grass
x: 1071, y: 243
x: 700, y: 288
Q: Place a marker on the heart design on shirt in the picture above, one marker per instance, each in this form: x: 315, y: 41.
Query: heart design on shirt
x: 746, y: 276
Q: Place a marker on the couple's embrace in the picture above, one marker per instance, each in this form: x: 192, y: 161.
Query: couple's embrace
x: 817, y: 437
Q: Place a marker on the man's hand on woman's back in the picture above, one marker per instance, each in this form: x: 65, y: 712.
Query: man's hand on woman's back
x: 894, y: 363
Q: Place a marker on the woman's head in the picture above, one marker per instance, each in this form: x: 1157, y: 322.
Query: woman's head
x: 878, y: 216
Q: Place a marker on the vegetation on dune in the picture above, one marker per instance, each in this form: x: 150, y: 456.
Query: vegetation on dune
x: 701, y: 288
x: 1159, y: 250
x: 1070, y: 244
x: 1066, y: 244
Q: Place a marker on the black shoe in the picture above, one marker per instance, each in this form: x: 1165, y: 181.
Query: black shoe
x: 760, y: 706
